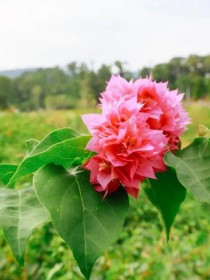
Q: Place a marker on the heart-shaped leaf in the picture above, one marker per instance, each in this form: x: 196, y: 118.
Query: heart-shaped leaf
x: 20, y: 213
x: 192, y: 166
x: 55, y: 149
x: 166, y: 194
x: 86, y: 222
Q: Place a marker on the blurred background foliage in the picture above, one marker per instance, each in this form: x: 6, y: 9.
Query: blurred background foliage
x: 141, y: 251
x: 79, y: 85
x: 36, y: 102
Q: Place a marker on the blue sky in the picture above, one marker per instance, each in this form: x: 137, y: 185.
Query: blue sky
x: 39, y: 33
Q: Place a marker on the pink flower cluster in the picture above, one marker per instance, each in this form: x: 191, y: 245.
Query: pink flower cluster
x: 139, y: 122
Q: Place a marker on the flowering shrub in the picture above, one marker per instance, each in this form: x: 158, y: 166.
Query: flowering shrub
x: 81, y: 182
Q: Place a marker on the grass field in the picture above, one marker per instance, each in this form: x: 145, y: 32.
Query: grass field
x: 141, y: 251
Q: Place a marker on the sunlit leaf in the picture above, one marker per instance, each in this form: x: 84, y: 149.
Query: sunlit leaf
x: 60, y: 147
x: 54, y: 137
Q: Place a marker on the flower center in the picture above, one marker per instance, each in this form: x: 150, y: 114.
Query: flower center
x: 103, y: 165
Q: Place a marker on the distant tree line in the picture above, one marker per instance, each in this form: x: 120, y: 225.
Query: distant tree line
x: 80, y: 86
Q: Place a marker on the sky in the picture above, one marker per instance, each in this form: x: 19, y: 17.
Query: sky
x: 45, y: 33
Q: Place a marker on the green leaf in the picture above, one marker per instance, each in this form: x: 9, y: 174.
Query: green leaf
x: 192, y: 166
x: 67, y: 152
x: 20, y: 213
x: 54, y: 137
x: 34, y: 146
x: 31, y: 144
x: 166, y: 194
x: 6, y: 172
x: 86, y: 222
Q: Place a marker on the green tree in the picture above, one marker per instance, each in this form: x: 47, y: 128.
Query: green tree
x: 97, y: 80
x: 6, y: 90
x: 145, y: 71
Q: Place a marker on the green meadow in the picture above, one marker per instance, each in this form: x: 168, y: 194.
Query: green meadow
x: 141, y: 252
